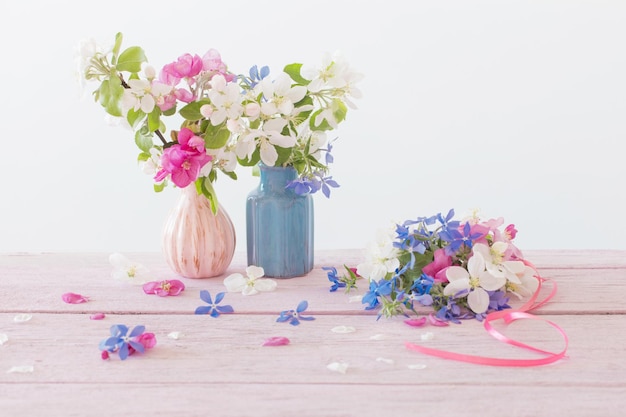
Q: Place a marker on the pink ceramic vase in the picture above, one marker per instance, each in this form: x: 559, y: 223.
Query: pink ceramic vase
x: 196, y: 242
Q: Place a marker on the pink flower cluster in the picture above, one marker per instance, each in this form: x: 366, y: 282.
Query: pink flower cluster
x: 442, y: 260
x: 183, y: 160
x: 187, y: 67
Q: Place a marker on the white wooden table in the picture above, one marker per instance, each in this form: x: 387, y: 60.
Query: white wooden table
x: 217, y: 366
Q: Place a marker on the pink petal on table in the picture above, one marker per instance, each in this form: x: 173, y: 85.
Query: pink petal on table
x: 150, y: 287
x: 416, y: 322
x: 148, y: 340
x: 164, y: 288
x: 97, y: 316
x: 72, y: 298
x: 436, y: 322
x: 276, y: 341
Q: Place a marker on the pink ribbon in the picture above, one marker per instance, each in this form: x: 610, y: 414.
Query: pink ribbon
x: 508, y: 316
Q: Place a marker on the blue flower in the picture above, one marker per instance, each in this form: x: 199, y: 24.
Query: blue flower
x: 121, y: 340
x: 377, y: 289
x: 255, y: 76
x: 332, y: 277
x: 423, y: 284
x: 293, y: 316
x: 212, y: 309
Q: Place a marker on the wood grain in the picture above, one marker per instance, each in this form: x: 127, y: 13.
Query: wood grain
x: 218, y: 366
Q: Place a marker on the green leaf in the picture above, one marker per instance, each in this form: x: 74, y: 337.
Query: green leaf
x: 230, y: 174
x: 143, y: 157
x: 110, y: 94
x: 192, y: 110
x: 293, y: 70
x: 135, y: 118
x: 144, y: 141
x: 154, y: 121
x: 205, y: 187
x: 131, y: 59
x: 158, y: 187
x: 283, y: 155
x: 340, y: 110
x: 256, y: 157
x: 116, y: 47
x: 216, y: 136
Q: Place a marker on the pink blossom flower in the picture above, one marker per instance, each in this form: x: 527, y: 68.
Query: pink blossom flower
x: 184, y: 160
x: 437, y: 268
x: 186, y: 66
x: 212, y: 62
x: 164, y: 288
x: 189, y: 141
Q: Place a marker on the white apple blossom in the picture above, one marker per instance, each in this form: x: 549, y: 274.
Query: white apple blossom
x: 476, y: 280
x: 126, y: 270
x: 527, y: 286
x: 153, y: 163
x: 252, y: 284
x: 381, y: 257
x: 265, y: 138
x: 226, y: 100
x: 143, y: 95
x: 279, y: 95
x: 496, y: 262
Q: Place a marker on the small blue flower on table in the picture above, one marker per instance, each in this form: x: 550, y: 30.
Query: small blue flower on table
x: 294, y: 316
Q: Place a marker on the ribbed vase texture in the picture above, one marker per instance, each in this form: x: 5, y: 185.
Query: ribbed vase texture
x: 279, y: 225
x: 197, y: 243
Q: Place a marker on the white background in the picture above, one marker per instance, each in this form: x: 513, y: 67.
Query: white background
x: 515, y: 108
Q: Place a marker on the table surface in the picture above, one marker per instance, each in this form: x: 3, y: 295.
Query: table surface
x: 218, y: 366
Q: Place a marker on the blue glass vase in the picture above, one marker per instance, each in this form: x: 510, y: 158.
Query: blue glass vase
x: 279, y: 225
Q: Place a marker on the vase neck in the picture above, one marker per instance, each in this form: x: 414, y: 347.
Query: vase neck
x: 276, y: 178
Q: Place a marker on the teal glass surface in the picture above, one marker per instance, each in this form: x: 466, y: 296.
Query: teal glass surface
x: 279, y: 225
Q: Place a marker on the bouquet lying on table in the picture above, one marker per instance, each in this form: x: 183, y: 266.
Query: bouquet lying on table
x: 461, y: 269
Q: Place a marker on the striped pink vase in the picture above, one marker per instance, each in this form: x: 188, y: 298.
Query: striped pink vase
x: 197, y: 243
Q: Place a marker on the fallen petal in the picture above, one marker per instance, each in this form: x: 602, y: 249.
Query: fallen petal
x: 417, y: 366
x: 355, y: 299
x: 343, y: 329
x: 427, y: 336
x: 385, y: 360
x: 21, y: 318
x: 3, y: 339
x: 72, y: 298
x: 97, y: 316
x: 416, y: 322
x: 377, y: 337
x: 340, y: 367
x: 265, y: 284
x: 21, y: 369
x: 235, y: 282
x: 436, y: 322
x: 276, y: 341
x: 174, y: 335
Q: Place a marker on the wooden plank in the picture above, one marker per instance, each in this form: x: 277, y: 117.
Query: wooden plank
x: 63, y: 348
x: 272, y: 399
x: 36, y: 282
